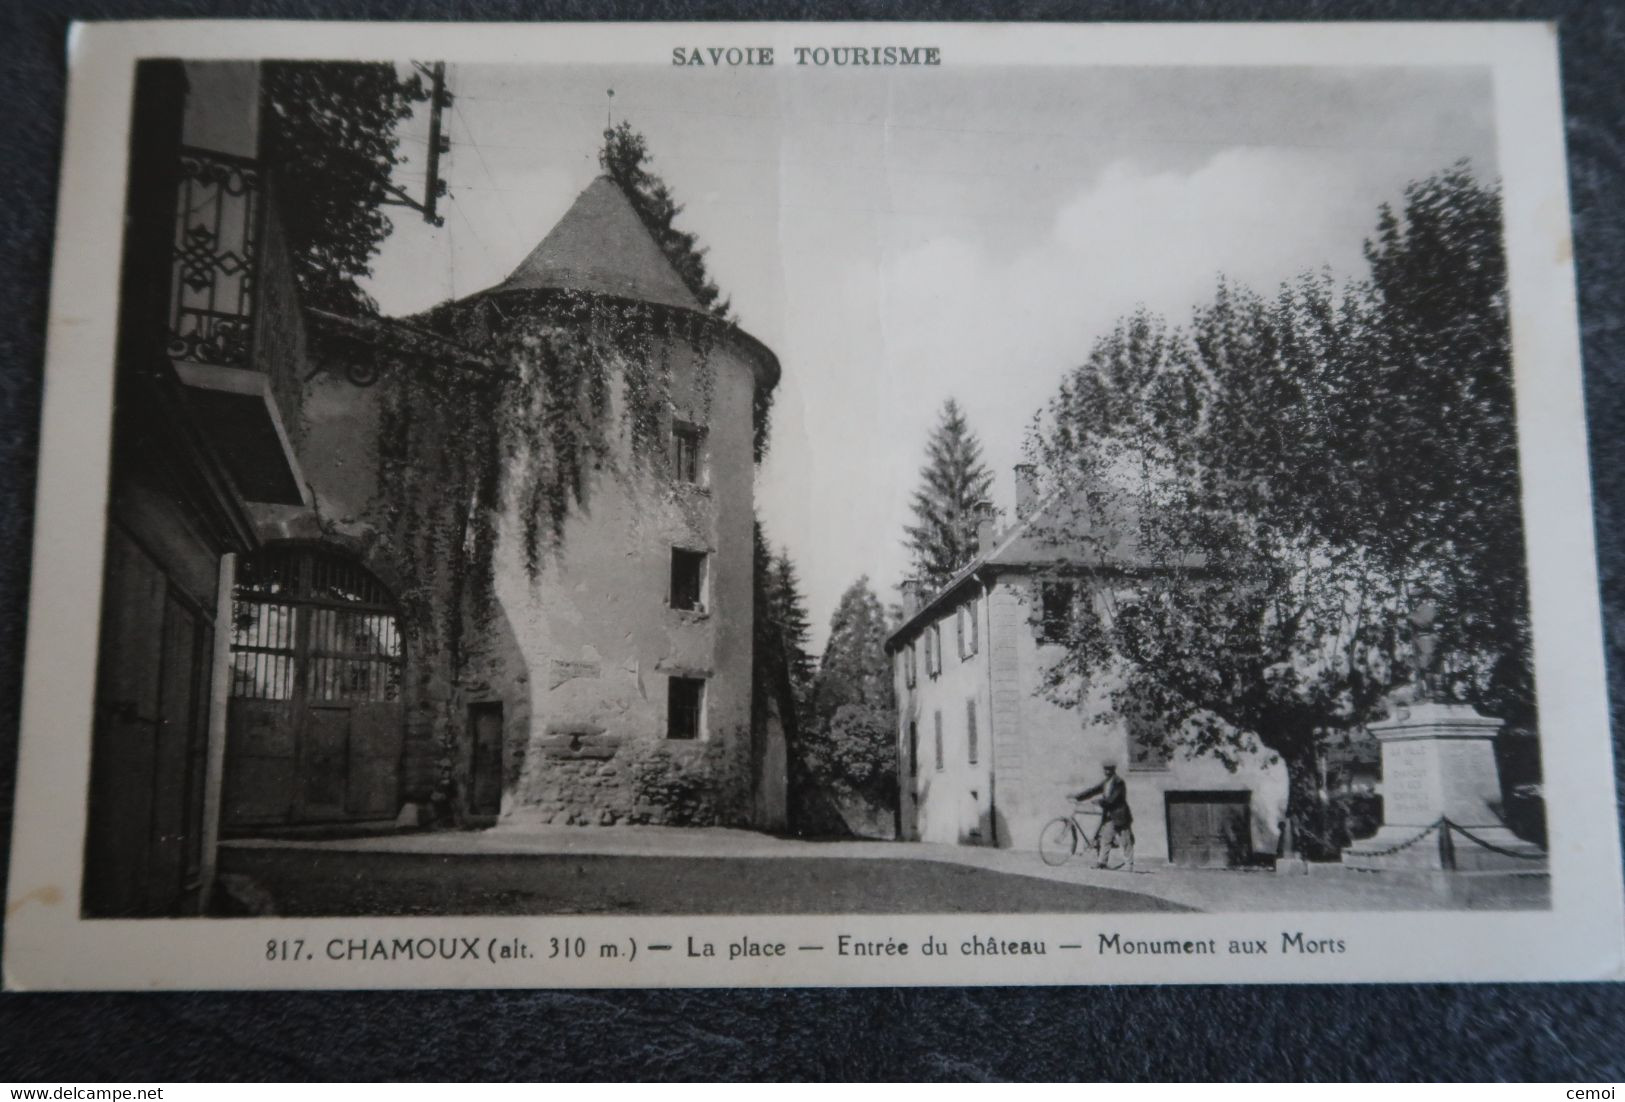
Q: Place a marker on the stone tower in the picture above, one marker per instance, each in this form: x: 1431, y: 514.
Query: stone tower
x: 626, y: 692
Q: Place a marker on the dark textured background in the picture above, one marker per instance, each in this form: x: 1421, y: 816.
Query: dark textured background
x: 1572, y: 1033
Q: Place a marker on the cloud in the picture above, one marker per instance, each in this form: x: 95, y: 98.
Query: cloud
x: 892, y: 331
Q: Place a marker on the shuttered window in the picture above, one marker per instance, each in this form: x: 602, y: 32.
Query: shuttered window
x: 967, y: 624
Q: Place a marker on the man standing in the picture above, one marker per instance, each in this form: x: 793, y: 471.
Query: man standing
x: 1116, y: 820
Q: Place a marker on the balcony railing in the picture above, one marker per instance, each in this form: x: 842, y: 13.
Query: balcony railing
x: 236, y: 336
x: 216, y: 253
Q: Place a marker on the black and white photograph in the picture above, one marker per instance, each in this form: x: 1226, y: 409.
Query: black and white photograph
x: 788, y: 486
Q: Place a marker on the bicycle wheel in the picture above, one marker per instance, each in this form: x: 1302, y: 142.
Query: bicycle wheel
x: 1058, y: 841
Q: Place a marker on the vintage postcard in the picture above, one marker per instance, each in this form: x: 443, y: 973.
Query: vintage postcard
x: 608, y: 505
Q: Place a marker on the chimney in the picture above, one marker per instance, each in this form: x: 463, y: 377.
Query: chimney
x: 910, y: 589
x: 985, y: 524
x: 1026, y: 490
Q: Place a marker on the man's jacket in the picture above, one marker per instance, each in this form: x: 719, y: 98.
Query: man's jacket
x: 1113, y: 793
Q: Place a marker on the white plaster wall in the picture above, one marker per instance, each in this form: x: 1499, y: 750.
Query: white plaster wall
x: 602, y: 603
x: 952, y: 804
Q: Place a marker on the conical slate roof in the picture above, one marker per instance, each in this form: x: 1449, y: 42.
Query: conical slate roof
x: 601, y: 246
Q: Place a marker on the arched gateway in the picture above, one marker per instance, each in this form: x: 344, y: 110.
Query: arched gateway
x: 314, y: 726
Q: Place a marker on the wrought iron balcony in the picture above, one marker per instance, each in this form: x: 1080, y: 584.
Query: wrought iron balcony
x: 218, y: 201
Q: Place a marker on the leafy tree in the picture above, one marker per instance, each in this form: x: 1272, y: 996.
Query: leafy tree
x: 330, y: 135
x: 851, y: 742
x: 955, y: 491
x: 625, y: 158
x: 1307, y: 479
x: 1434, y: 423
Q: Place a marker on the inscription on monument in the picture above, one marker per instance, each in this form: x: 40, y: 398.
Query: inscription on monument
x: 1407, y: 783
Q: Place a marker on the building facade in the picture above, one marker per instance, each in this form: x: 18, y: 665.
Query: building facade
x: 988, y: 752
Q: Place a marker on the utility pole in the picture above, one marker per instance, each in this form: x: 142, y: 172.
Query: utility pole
x: 433, y: 186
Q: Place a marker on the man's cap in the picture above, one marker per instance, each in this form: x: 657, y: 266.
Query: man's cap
x: 1109, y: 766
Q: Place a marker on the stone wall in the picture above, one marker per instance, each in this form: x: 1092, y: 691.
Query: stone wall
x: 597, y: 631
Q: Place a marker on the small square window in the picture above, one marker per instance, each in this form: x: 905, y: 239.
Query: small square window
x: 685, y: 707
x: 688, y: 579
x: 1055, y: 613
x: 688, y: 453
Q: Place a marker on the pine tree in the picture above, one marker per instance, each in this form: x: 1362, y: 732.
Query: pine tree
x: 854, y: 670
x: 625, y: 159
x: 787, y: 608
x: 956, y: 488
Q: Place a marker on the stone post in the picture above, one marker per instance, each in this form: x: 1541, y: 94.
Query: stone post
x: 1438, y: 762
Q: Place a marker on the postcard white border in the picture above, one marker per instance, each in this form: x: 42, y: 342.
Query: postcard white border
x: 47, y: 946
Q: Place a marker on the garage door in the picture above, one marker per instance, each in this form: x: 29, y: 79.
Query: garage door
x: 1209, y: 829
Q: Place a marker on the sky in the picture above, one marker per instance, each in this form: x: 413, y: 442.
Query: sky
x: 903, y: 236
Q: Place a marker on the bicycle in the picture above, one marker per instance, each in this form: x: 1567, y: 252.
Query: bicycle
x: 1059, y: 840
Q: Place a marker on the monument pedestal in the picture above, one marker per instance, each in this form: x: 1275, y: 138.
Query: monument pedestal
x: 1438, y: 763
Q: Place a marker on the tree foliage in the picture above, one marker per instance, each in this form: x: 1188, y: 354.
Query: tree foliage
x: 329, y: 134
x: 955, y: 492
x: 786, y: 610
x: 1308, y: 478
x: 850, y: 740
x: 625, y: 158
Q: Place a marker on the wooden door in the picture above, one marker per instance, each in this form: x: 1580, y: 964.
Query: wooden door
x: 144, y: 823
x: 315, y: 727
x: 324, y: 759
x: 178, y: 756
x: 373, y: 759
x: 1209, y: 829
